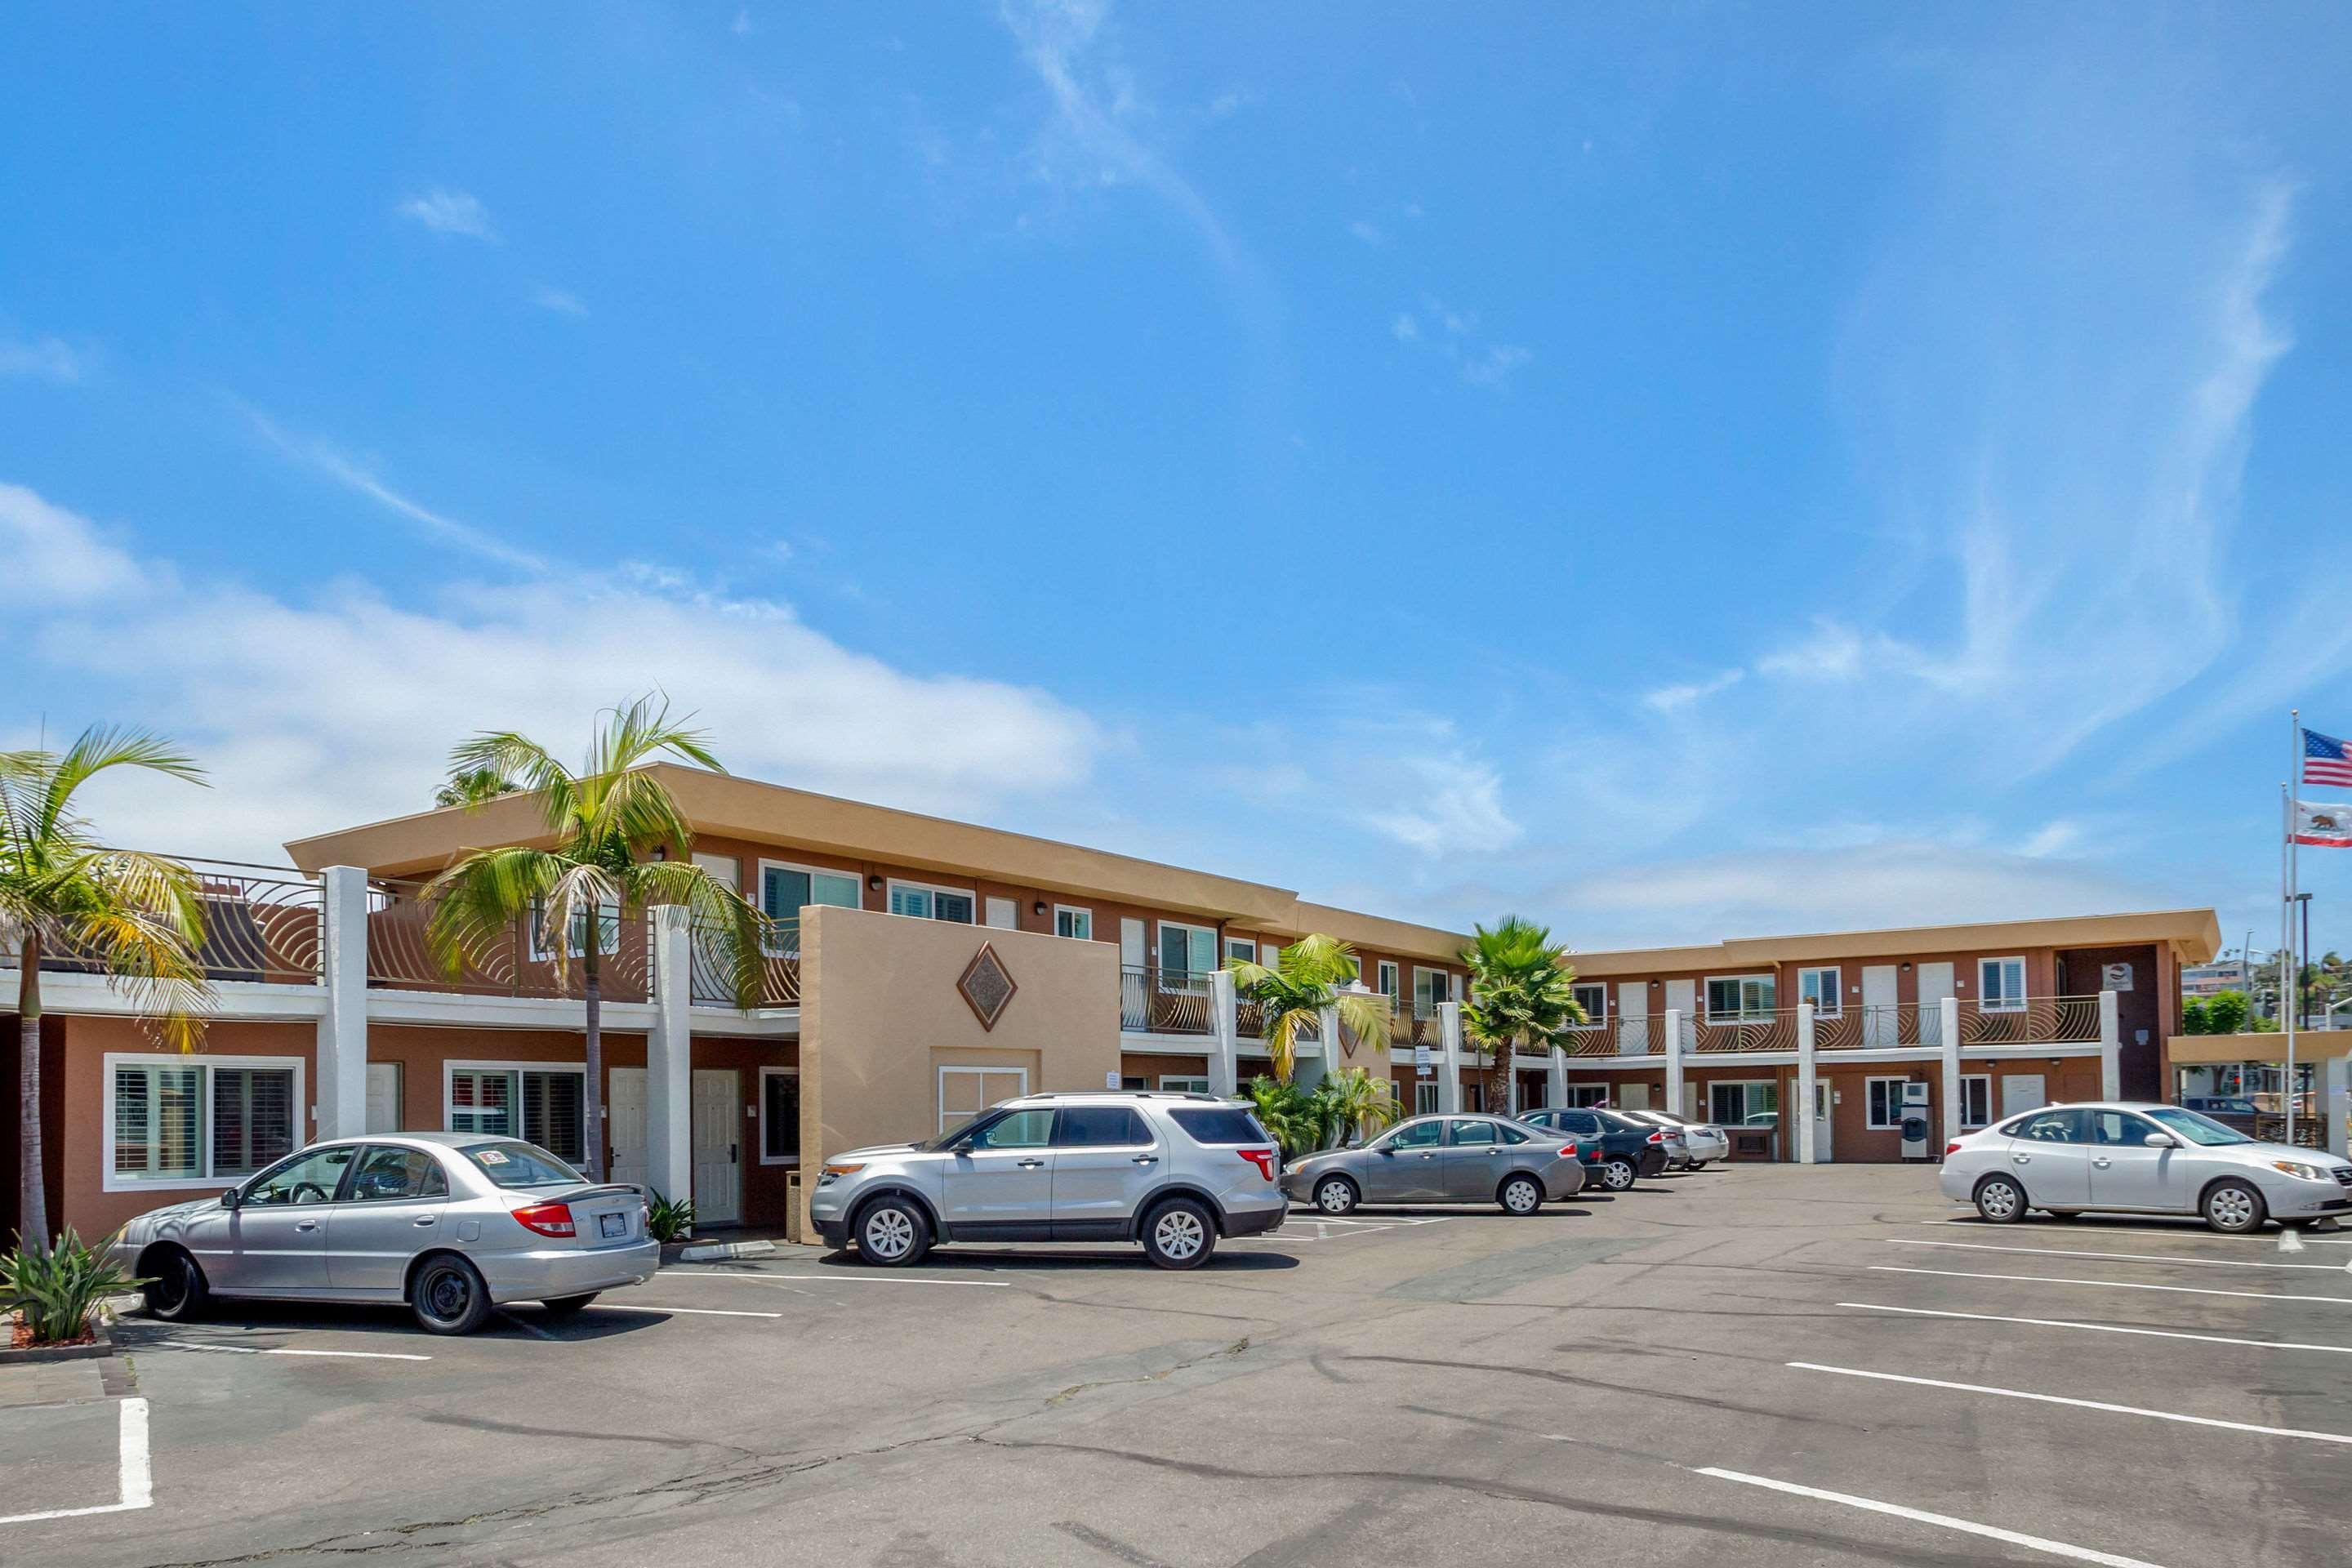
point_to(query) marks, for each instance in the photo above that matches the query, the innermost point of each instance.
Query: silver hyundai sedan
(453, 1224)
(1440, 1159)
(2141, 1158)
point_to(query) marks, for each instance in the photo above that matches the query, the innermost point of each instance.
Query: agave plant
(669, 1219)
(54, 1292)
(1294, 994)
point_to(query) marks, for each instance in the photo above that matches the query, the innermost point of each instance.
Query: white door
(718, 1145)
(2022, 1092)
(1002, 915)
(383, 1096)
(1632, 1022)
(1821, 1120)
(1879, 1029)
(1633, 1097)
(1134, 1005)
(1934, 985)
(1682, 997)
(722, 869)
(625, 1124)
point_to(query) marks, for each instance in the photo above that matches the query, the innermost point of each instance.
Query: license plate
(612, 1225)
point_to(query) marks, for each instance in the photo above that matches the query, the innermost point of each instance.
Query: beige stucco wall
(880, 1015)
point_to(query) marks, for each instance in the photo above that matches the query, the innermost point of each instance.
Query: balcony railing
(1156, 1001)
(1761, 1030)
(2030, 1021)
(260, 923)
(511, 963)
(1881, 1028)
(780, 956)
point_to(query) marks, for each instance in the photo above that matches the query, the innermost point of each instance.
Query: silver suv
(1172, 1170)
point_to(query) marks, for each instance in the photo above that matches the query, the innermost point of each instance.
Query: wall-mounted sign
(2115, 978)
(988, 987)
(1420, 1062)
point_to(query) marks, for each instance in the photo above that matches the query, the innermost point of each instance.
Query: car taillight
(1568, 1151)
(1262, 1158)
(1657, 1137)
(1951, 1148)
(548, 1219)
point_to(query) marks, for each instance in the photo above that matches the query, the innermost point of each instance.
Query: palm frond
(522, 762)
(723, 923)
(1367, 1018)
(148, 959)
(475, 903)
(97, 749)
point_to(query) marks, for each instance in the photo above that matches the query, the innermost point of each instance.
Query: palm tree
(1522, 992)
(137, 919)
(1293, 995)
(472, 789)
(605, 818)
(1356, 1103)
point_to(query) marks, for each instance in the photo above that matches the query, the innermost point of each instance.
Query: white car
(1692, 1145)
(2141, 1158)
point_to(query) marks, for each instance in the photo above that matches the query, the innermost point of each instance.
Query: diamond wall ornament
(987, 986)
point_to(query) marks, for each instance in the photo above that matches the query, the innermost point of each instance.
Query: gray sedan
(1443, 1159)
(2133, 1157)
(452, 1223)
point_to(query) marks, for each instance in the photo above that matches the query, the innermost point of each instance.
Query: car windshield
(2195, 1128)
(511, 1163)
(957, 1134)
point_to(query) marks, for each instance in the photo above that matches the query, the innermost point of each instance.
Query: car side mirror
(963, 1146)
(2160, 1141)
(229, 1199)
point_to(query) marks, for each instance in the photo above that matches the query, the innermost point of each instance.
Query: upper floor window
(1072, 922)
(1734, 997)
(1430, 986)
(1386, 970)
(608, 934)
(785, 890)
(928, 903)
(2001, 984)
(1186, 951)
(1594, 1000)
(1242, 948)
(1824, 988)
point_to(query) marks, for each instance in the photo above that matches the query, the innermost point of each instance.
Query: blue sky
(1675, 471)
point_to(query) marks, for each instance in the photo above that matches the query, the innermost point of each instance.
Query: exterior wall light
(873, 884)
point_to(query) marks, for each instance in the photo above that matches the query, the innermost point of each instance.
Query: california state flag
(2329, 827)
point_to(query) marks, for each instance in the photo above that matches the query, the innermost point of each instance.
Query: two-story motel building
(918, 969)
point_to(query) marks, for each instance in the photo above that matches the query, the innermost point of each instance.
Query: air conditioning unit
(1917, 1138)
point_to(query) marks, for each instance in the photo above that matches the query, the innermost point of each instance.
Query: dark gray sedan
(1443, 1159)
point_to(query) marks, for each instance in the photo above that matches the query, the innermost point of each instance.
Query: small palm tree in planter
(606, 820)
(1357, 1103)
(136, 919)
(1293, 994)
(1522, 992)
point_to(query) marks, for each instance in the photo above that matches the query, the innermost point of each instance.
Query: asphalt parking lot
(1753, 1364)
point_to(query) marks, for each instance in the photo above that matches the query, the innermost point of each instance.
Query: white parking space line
(2095, 1327)
(789, 1280)
(256, 1350)
(2111, 1285)
(2078, 1404)
(689, 1311)
(2122, 1256)
(137, 1481)
(1941, 1520)
(2194, 1229)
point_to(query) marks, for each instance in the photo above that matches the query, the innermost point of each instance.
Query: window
(1976, 1098)
(965, 1092)
(1473, 1097)
(1424, 1099)
(1415, 1135)
(305, 1179)
(1824, 988)
(1430, 986)
(1885, 1096)
(1178, 1083)
(1242, 948)
(1077, 923)
(1739, 997)
(1133, 1082)
(191, 1123)
(387, 1174)
(1017, 1130)
(1473, 1135)
(520, 1165)
(1100, 1127)
(780, 1116)
(1587, 1094)
(1594, 1000)
(1223, 1125)
(1386, 972)
(608, 934)
(1744, 1102)
(928, 903)
(546, 1106)
(1187, 954)
(2118, 1130)
(2001, 984)
(2052, 1126)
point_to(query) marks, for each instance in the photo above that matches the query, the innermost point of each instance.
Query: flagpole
(2290, 960)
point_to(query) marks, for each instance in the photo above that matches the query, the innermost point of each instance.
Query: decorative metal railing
(714, 967)
(2033, 1021)
(1881, 1028)
(1156, 1001)
(1774, 1030)
(1594, 1039)
(512, 963)
(260, 923)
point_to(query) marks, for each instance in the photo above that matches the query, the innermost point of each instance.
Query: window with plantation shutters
(252, 1118)
(552, 1106)
(193, 1123)
(543, 1106)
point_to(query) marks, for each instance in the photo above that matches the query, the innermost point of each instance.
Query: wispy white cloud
(450, 212)
(1368, 232)
(741, 27)
(563, 302)
(1450, 805)
(1456, 336)
(41, 359)
(357, 477)
(1672, 699)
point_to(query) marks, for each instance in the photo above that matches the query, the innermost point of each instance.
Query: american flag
(2326, 759)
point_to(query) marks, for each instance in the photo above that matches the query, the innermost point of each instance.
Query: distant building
(2211, 979)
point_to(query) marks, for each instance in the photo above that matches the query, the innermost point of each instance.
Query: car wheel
(1335, 1195)
(2234, 1207)
(1617, 1174)
(892, 1232)
(177, 1291)
(1179, 1234)
(448, 1296)
(567, 1306)
(1999, 1200)
(1520, 1195)
(1697, 1165)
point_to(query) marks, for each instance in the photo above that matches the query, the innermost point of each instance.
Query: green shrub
(55, 1293)
(669, 1221)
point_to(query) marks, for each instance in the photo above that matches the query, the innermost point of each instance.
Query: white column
(1556, 1085)
(1951, 1006)
(1224, 1038)
(1675, 1060)
(2111, 1046)
(2336, 1079)
(1449, 1064)
(343, 1028)
(669, 1057)
(1807, 1077)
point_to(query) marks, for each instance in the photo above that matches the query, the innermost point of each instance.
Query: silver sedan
(453, 1224)
(1441, 1160)
(2135, 1157)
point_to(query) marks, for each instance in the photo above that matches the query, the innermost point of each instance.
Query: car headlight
(836, 1171)
(2309, 1173)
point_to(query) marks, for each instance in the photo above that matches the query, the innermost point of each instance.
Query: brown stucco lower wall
(52, 1065)
(881, 1013)
(1152, 1065)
